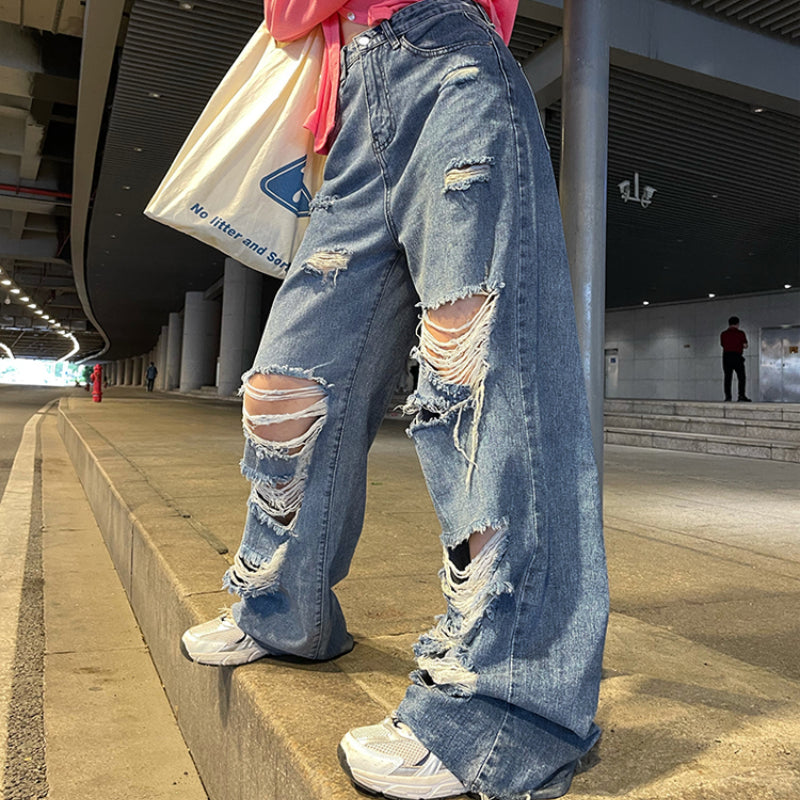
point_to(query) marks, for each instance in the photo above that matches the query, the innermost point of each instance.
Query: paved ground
(84, 715)
(701, 699)
(17, 405)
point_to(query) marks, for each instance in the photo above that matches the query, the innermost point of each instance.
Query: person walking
(150, 376)
(438, 214)
(734, 342)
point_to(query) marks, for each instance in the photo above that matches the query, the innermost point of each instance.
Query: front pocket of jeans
(444, 34)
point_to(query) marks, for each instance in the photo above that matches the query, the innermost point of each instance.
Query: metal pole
(584, 166)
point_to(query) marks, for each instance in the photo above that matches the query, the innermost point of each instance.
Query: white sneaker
(388, 759)
(220, 642)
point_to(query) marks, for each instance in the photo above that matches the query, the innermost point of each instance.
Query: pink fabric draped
(291, 19)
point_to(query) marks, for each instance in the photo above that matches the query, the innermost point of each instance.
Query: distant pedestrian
(733, 343)
(150, 376)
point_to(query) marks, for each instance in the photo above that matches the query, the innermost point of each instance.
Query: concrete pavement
(84, 715)
(701, 697)
(101, 689)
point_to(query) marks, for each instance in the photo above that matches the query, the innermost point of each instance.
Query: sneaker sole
(556, 786)
(386, 789)
(232, 658)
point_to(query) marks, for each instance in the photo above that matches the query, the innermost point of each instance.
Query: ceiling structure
(723, 218)
(777, 17)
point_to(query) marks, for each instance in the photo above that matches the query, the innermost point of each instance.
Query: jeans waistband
(406, 18)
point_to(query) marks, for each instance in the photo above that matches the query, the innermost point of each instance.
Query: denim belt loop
(386, 27)
(483, 13)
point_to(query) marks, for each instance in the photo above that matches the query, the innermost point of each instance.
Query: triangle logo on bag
(285, 186)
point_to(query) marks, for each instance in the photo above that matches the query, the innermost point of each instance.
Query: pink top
(291, 19)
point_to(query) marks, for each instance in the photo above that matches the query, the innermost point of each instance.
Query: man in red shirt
(733, 342)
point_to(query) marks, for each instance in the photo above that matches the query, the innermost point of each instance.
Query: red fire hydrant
(97, 383)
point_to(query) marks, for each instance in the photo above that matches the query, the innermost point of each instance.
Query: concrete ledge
(684, 718)
(703, 443)
(733, 428)
(745, 430)
(247, 741)
(765, 412)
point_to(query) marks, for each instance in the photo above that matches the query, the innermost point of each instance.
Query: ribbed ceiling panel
(724, 217)
(528, 36)
(775, 17)
(180, 56)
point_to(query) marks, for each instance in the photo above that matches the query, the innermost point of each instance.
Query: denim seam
(518, 241)
(419, 15)
(323, 582)
(441, 51)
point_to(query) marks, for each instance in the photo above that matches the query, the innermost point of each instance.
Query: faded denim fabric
(439, 186)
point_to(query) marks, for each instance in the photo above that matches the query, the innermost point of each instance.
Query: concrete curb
(247, 741)
(688, 712)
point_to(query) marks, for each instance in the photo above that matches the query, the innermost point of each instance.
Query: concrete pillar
(119, 373)
(200, 342)
(128, 371)
(172, 372)
(582, 185)
(240, 329)
(161, 361)
(136, 378)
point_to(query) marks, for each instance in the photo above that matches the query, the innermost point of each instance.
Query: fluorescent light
(645, 302)
(711, 294)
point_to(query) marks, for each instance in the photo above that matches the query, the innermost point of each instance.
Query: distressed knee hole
(282, 409)
(327, 263)
(282, 417)
(453, 342)
(453, 338)
(443, 656)
(248, 580)
(460, 174)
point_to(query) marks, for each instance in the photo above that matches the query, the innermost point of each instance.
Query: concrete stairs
(748, 430)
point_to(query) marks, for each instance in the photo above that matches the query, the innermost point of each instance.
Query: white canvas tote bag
(243, 179)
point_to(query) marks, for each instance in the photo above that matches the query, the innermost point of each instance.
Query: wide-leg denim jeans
(439, 186)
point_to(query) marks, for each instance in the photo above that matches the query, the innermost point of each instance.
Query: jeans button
(362, 41)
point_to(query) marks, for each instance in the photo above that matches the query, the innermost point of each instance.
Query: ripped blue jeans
(438, 187)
